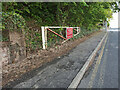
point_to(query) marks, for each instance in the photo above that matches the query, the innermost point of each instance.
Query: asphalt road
(60, 73)
(104, 71)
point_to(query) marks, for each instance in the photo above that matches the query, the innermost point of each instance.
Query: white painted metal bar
(44, 40)
(76, 34)
(58, 27)
(77, 31)
(43, 37)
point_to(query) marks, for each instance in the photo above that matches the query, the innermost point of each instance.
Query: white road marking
(114, 30)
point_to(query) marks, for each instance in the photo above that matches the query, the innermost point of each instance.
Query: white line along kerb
(80, 74)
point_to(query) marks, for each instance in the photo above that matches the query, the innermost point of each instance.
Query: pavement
(104, 71)
(61, 73)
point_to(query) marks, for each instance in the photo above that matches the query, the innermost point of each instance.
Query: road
(104, 71)
(60, 72)
(102, 74)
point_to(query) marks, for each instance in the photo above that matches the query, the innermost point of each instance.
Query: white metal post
(45, 30)
(44, 33)
(78, 31)
(43, 37)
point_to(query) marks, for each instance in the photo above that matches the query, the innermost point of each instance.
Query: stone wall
(15, 49)
(4, 52)
(17, 46)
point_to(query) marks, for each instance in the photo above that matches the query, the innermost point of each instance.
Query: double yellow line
(90, 84)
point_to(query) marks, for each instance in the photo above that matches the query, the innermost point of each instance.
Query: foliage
(33, 39)
(88, 15)
(12, 21)
(63, 13)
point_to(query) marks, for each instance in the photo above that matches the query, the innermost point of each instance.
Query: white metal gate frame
(44, 33)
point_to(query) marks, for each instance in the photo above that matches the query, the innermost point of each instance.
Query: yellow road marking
(96, 66)
(102, 71)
